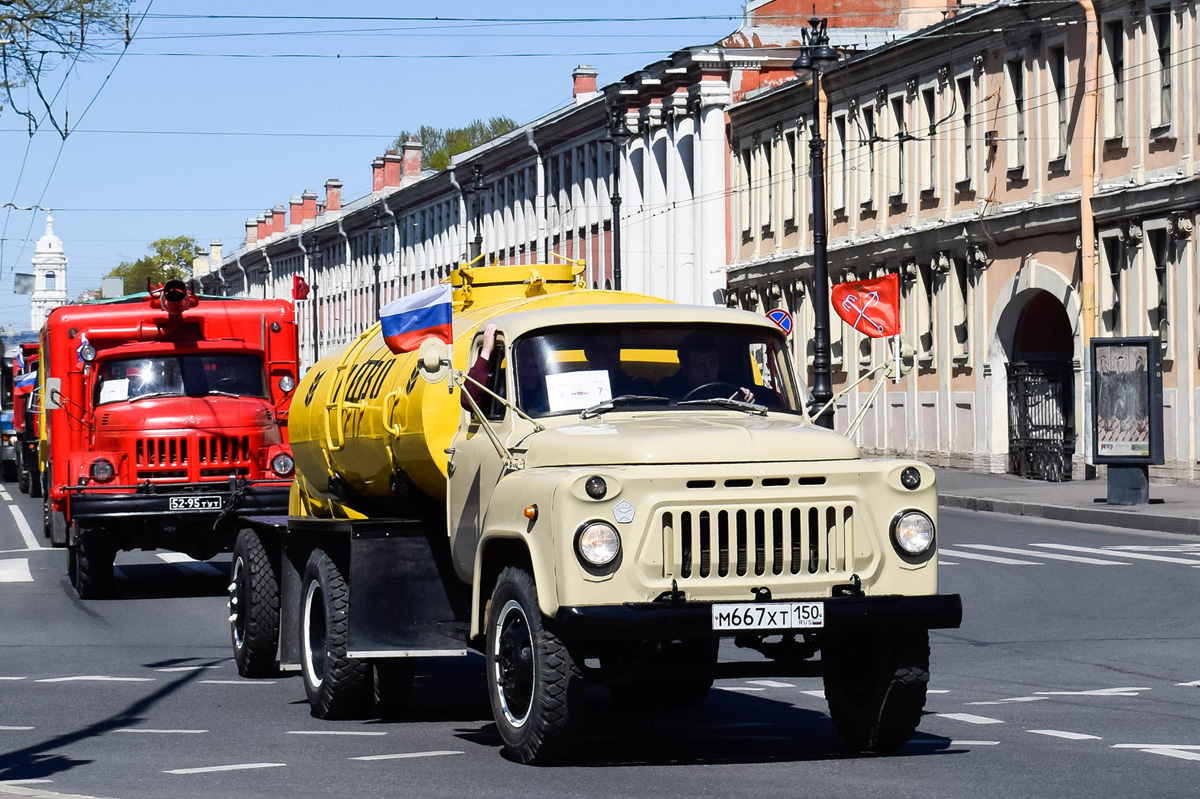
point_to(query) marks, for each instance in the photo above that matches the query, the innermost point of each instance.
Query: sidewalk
(1172, 508)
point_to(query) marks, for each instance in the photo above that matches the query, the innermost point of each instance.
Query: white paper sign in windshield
(574, 391)
(114, 390)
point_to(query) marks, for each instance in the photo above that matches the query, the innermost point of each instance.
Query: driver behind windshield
(603, 351)
(697, 378)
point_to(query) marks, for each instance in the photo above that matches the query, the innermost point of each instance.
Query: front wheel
(336, 685)
(875, 687)
(93, 563)
(254, 605)
(534, 685)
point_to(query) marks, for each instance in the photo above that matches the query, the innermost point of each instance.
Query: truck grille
(170, 458)
(161, 452)
(702, 544)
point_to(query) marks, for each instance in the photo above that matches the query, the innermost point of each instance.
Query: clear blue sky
(130, 175)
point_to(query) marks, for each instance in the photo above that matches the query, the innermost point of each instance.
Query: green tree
(169, 259)
(439, 145)
(43, 35)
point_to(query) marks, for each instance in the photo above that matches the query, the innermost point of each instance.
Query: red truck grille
(170, 458)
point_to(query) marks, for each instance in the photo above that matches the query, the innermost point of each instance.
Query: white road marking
(1192, 684)
(96, 678)
(4, 493)
(30, 781)
(1187, 549)
(770, 684)
(936, 691)
(234, 767)
(333, 732)
(190, 564)
(15, 729)
(1051, 556)
(15, 570)
(991, 558)
(1179, 753)
(974, 743)
(8, 679)
(237, 682)
(1115, 554)
(946, 562)
(739, 688)
(22, 525)
(161, 732)
(406, 755)
(1155, 746)
(187, 668)
(1070, 736)
(1095, 692)
(819, 693)
(1010, 700)
(968, 718)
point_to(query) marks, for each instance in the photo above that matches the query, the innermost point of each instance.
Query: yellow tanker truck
(628, 483)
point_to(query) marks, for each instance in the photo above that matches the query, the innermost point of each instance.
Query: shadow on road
(40, 760)
(164, 581)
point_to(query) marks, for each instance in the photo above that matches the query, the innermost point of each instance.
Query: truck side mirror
(433, 360)
(52, 394)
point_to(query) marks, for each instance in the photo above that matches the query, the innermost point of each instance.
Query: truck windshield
(180, 375)
(656, 365)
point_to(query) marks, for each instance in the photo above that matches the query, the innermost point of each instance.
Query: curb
(1066, 513)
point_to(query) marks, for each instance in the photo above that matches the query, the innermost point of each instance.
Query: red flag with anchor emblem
(299, 288)
(871, 307)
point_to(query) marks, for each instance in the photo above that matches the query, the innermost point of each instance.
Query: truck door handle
(449, 460)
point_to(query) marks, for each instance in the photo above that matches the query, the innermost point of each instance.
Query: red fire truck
(165, 416)
(25, 419)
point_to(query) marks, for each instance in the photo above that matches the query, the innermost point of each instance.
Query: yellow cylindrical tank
(363, 415)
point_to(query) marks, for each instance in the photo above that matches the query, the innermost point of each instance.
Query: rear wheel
(875, 687)
(35, 483)
(336, 685)
(22, 476)
(254, 605)
(93, 558)
(534, 684)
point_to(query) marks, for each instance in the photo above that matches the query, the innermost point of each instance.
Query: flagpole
(896, 355)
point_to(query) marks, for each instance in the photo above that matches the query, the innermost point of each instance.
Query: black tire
(338, 687)
(254, 605)
(875, 687)
(35, 483)
(94, 555)
(22, 476)
(392, 681)
(534, 684)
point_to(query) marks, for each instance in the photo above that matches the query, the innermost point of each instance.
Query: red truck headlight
(283, 465)
(102, 470)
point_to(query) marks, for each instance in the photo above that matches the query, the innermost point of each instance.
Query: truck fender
(507, 547)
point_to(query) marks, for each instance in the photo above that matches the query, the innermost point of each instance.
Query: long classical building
(1028, 168)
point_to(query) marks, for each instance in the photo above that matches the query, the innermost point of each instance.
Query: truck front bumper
(194, 502)
(682, 619)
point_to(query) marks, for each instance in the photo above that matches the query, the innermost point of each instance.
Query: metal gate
(1041, 413)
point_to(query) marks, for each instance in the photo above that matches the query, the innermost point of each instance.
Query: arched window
(49, 281)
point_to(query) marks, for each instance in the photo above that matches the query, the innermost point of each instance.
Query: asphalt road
(1076, 673)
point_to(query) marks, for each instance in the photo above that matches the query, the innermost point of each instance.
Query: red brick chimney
(296, 212)
(251, 231)
(310, 204)
(263, 230)
(280, 219)
(377, 174)
(584, 87)
(333, 195)
(391, 169)
(412, 160)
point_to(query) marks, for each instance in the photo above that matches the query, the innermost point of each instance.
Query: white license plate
(194, 503)
(768, 616)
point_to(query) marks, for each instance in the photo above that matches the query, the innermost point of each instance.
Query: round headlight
(287, 383)
(598, 543)
(595, 487)
(910, 478)
(102, 470)
(912, 531)
(87, 352)
(282, 464)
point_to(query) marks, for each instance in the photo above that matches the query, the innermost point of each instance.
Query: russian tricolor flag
(25, 383)
(409, 320)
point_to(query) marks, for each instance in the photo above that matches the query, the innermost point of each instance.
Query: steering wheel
(718, 388)
(230, 385)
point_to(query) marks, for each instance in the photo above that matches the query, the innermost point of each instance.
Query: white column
(683, 214)
(656, 190)
(711, 152)
(633, 235)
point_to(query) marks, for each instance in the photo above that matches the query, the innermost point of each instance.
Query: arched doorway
(1041, 407)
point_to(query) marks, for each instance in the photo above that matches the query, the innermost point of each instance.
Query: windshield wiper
(624, 399)
(154, 394)
(726, 402)
(222, 393)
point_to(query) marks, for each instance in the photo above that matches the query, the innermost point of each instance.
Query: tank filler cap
(433, 359)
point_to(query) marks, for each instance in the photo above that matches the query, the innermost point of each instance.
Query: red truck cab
(25, 419)
(166, 422)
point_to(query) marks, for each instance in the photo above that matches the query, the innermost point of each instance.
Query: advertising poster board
(1127, 402)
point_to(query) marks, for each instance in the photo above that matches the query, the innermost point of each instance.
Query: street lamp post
(618, 134)
(477, 188)
(314, 256)
(377, 241)
(816, 54)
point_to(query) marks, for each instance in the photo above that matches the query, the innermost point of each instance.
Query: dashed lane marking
(1070, 736)
(161, 732)
(1192, 684)
(190, 564)
(407, 755)
(1182, 754)
(739, 688)
(1156, 746)
(11, 679)
(1095, 692)
(991, 558)
(937, 690)
(969, 718)
(1048, 555)
(233, 767)
(237, 682)
(333, 732)
(818, 693)
(770, 684)
(96, 678)
(187, 668)
(22, 525)
(14, 729)
(946, 562)
(15, 570)
(1116, 554)
(4, 493)
(1010, 700)
(931, 741)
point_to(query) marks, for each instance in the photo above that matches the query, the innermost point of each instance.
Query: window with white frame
(960, 309)
(1161, 294)
(1015, 77)
(1111, 280)
(964, 167)
(1161, 101)
(928, 141)
(865, 158)
(1114, 80)
(924, 299)
(791, 205)
(1060, 111)
(745, 194)
(767, 207)
(896, 150)
(839, 188)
